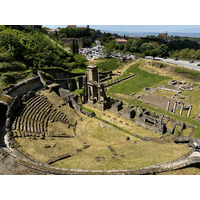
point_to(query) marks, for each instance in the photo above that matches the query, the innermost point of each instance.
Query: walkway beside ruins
(193, 158)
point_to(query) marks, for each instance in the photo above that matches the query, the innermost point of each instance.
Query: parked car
(191, 61)
(198, 64)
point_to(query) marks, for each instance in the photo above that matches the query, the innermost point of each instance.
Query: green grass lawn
(142, 80)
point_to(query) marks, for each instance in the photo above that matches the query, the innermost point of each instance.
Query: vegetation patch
(142, 80)
(108, 65)
(190, 74)
(48, 76)
(12, 66)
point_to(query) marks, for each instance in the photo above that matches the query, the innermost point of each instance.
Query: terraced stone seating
(34, 118)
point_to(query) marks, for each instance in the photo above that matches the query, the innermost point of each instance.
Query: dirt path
(10, 166)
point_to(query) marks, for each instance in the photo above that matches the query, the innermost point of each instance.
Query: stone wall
(57, 73)
(147, 120)
(68, 41)
(23, 87)
(66, 80)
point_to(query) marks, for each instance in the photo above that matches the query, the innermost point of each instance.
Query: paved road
(184, 63)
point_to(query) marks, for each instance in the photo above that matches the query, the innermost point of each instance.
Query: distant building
(115, 35)
(163, 35)
(71, 26)
(80, 27)
(136, 37)
(120, 41)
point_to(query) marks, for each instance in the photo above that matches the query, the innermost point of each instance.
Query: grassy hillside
(32, 48)
(23, 51)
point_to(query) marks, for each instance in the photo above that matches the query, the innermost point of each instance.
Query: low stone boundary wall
(118, 81)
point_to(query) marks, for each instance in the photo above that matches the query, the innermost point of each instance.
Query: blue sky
(141, 28)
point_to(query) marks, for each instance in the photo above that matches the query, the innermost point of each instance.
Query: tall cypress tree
(76, 47)
(73, 46)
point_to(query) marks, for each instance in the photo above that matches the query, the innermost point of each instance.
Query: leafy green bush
(13, 66)
(80, 60)
(5, 57)
(8, 78)
(162, 65)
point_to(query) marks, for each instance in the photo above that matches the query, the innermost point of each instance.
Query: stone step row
(35, 116)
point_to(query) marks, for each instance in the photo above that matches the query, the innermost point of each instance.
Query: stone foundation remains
(149, 121)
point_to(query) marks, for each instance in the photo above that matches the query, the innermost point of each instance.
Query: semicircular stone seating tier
(34, 117)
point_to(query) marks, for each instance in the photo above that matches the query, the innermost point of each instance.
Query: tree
(184, 53)
(10, 43)
(108, 49)
(154, 53)
(133, 49)
(74, 47)
(197, 54)
(121, 47)
(163, 50)
(146, 46)
(80, 60)
(191, 53)
(129, 44)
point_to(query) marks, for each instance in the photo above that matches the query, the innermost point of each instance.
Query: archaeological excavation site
(137, 119)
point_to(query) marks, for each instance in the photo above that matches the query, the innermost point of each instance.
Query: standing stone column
(174, 107)
(88, 93)
(92, 93)
(181, 109)
(77, 84)
(189, 111)
(99, 95)
(168, 103)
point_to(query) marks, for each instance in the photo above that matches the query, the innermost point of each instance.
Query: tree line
(74, 32)
(186, 48)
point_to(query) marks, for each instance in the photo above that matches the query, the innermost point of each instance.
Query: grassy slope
(137, 83)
